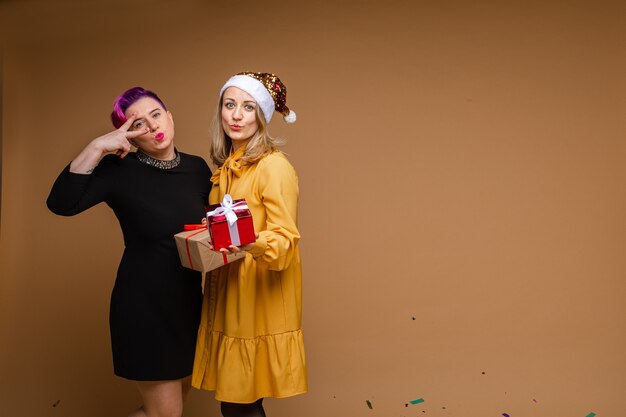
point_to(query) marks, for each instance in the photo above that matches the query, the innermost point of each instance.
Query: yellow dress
(250, 342)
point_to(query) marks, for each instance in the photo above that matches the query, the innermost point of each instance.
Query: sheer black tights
(254, 409)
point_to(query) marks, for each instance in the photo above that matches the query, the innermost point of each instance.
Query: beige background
(462, 195)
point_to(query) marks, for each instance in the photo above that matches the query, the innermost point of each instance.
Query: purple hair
(126, 99)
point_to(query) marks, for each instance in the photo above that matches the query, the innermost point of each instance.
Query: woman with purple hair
(154, 192)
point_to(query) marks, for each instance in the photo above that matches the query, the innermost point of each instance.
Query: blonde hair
(260, 145)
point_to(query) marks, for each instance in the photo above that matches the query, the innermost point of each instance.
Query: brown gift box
(194, 252)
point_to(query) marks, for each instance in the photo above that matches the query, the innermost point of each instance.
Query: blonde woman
(250, 343)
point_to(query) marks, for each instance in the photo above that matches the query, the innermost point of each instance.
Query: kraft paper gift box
(230, 223)
(194, 251)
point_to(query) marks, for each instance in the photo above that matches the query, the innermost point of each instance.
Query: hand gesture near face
(118, 141)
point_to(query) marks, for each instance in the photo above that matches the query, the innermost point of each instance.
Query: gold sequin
(274, 86)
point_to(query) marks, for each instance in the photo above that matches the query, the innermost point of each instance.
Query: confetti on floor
(419, 400)
(505, 415)
(591, 415)
(369, 404)
(56, 403)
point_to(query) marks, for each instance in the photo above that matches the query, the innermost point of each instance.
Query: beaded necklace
(157, 163)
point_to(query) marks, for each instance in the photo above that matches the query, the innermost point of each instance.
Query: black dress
(156, 303)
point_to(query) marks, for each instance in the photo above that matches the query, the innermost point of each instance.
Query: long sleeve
(74, 193)
(277, 185)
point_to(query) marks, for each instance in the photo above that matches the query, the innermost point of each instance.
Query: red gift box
(230, 223)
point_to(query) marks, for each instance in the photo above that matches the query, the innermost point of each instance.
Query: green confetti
(419, 400)
(369, 404)
(591, 415)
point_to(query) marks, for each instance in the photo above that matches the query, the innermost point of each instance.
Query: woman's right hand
(118, 141)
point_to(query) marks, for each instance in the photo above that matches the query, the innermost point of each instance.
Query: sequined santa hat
(266, 89)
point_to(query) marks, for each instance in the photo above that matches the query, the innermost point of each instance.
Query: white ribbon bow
(228, 209)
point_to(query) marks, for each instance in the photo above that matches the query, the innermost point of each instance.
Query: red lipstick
(159, 136)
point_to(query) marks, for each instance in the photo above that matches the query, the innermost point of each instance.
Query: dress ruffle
(266, 366)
